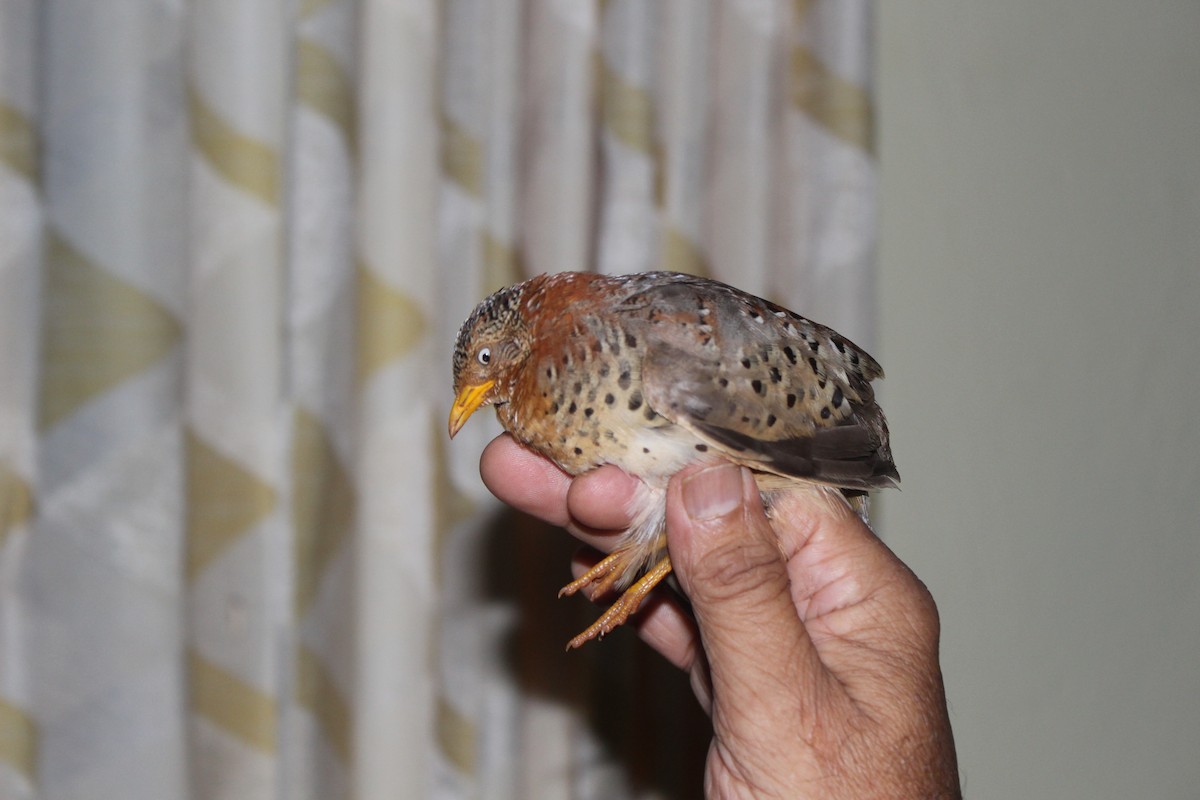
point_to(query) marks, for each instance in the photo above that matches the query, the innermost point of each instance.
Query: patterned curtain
(238, 556)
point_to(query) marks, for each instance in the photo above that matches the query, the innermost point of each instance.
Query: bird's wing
(765, 387)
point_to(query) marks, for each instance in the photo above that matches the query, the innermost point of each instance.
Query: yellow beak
(468, 400)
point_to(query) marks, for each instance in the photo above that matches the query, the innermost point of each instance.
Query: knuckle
(736, 569)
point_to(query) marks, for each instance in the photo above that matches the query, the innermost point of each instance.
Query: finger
(730, 565)
(525, 480)
(667, 626)
(592, 507)
(600, 499)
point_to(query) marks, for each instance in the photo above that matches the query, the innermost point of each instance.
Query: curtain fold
(239, 557)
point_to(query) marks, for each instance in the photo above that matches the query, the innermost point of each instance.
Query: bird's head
(492, 347)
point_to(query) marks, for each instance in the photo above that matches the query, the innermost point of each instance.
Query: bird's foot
(628, 602)
(601, 578)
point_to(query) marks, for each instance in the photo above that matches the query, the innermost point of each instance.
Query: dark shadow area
(640, 706)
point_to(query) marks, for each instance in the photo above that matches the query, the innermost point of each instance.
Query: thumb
(730, 565)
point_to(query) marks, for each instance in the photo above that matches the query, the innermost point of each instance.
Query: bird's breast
(584, 405)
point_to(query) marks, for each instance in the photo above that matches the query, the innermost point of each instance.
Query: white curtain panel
(239, 557)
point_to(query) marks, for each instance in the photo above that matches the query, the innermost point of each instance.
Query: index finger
(525, 480)
(586, 505)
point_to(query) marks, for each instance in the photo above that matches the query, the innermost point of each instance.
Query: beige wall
(1040, 303)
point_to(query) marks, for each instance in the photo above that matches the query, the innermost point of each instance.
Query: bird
(655, 371)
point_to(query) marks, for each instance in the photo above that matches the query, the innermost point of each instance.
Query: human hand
(813, 648)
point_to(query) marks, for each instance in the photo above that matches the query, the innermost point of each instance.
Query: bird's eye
(484, 355)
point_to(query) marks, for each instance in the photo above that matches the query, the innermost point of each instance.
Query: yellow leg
(609, 568)
(626, 605)
(606, 574)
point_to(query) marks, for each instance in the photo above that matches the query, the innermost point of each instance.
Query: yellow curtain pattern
(238, 556)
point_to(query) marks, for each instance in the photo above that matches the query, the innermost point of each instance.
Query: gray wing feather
(765, 387)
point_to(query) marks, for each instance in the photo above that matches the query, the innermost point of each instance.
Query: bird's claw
(626, 604)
